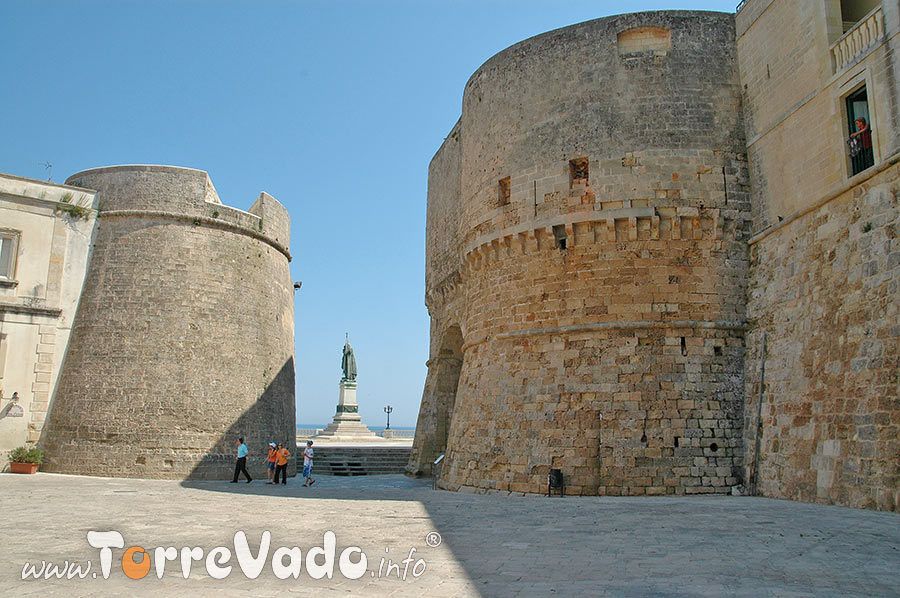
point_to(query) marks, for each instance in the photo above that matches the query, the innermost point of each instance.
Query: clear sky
(335, 108)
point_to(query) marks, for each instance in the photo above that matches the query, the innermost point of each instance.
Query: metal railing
(310, 432)
(436, 469)
(862, 155)
(398, 433)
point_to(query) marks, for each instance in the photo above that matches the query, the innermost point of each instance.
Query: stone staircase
(353, 461)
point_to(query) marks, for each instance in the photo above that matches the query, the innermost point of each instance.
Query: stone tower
(183, 339)
(586, 264)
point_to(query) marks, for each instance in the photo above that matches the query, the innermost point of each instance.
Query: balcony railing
(853, 44)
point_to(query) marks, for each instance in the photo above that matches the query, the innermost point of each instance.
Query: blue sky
(335, 108)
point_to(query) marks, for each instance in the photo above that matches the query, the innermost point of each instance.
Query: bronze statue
(348, 362)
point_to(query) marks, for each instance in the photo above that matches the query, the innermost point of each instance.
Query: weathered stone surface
(183, 339)
(826, 290)
(598, 314)
(602, 305)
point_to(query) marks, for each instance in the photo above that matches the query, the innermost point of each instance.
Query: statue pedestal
(347, 424)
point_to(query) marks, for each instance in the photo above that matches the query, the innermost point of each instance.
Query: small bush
(26, 454)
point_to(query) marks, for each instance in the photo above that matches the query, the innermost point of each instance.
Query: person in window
(861, 146)
(863, 133)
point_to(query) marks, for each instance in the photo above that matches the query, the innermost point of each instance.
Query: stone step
(354, 461)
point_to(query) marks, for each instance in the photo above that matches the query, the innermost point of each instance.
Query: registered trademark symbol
(433, 539)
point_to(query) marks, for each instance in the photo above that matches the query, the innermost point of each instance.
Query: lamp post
(388, 410)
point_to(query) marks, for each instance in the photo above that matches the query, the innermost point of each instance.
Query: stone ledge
(852, 182)
(29, 309)
(204, 220)
(633, 325)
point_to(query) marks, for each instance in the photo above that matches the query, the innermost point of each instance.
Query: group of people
(276, 463)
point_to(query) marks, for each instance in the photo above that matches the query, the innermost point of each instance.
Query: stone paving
(490, 545)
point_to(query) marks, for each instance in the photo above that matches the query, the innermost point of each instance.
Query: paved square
(490, 545)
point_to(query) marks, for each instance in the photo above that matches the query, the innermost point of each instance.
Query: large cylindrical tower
(183, 339)
(600, 262)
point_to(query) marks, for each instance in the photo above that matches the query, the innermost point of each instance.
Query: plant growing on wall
(74, 211)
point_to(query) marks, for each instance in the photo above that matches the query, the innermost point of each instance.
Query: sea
(373, 428)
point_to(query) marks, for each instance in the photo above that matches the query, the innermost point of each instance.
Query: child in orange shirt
(270, 462)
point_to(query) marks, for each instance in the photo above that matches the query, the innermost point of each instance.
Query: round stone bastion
(184, 337)
(586, 265)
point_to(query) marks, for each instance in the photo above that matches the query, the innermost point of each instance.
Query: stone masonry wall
(602, 262)
(442, 297)
(183, 339)
(616, 360)
(826, 290)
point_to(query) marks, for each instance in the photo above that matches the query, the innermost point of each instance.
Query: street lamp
(388, 410)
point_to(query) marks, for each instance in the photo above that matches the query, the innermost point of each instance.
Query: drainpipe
(754, 475)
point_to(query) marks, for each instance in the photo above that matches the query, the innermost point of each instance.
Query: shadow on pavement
(615, 546)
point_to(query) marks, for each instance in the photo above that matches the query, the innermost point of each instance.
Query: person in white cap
(270, 462)
(308, 463)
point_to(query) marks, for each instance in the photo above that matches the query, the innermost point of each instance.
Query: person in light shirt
(308, 463)
(270, 462)
(240, 464)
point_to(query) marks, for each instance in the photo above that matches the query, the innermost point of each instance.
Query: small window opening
(717, 351)
(683, 346)
(560, 236)
(8, 243)
(859, 124)
(578, 172)
(676, 441)
(503, 188)
(714, 447)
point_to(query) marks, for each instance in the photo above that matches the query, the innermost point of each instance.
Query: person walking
(240, 465)
(270, 462)
(308, 463)
(281, 455)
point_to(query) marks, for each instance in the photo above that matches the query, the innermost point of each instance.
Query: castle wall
(443, 299)
(442, 234)
(601, 311)
(825, 289)
(184, 336)
(823, 277)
